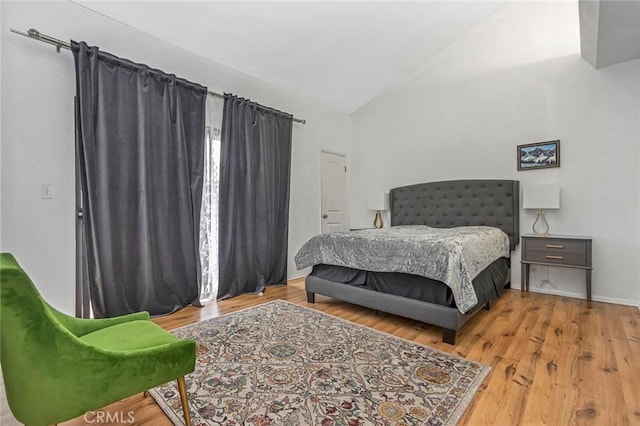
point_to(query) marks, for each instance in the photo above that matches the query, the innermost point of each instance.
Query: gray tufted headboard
(454, 203)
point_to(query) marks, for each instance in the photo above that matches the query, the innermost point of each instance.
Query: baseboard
(616, 301)
(595, 298)
(299, 274)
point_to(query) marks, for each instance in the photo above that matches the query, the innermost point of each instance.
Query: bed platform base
(450, 319)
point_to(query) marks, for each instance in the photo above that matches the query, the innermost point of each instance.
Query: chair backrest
(28, 336)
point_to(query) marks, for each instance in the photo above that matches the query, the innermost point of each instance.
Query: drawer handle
(554, 257)
(558, 246)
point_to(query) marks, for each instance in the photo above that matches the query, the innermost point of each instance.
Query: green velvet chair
(58, 367)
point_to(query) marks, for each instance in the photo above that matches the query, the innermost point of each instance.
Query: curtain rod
(59, 44)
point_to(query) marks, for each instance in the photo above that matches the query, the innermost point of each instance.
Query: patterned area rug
(284, 364)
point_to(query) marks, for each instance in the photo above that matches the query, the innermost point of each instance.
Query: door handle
(324, 216)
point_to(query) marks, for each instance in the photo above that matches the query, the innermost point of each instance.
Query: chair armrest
(81, 326)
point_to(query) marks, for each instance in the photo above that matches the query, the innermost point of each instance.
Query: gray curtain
(140, 156)
(255, 170)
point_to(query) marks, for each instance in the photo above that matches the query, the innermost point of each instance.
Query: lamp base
(377, 221)
(544, 232)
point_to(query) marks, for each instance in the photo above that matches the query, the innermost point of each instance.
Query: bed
(446, 204)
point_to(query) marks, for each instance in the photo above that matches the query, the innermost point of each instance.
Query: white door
(333, 191)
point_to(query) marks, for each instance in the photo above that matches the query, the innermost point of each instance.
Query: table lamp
(378, 204)
(541, 196)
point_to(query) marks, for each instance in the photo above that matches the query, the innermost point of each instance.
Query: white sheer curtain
(210, 199)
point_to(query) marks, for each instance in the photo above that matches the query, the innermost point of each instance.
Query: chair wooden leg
(182, 387)
(145, 394)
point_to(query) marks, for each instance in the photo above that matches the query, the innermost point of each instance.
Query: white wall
(38, 138)
(518, 78)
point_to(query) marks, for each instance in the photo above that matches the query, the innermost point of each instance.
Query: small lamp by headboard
(540, 196)
(378, 204)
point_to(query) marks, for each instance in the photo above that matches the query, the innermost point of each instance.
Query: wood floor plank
(554, 361)
(552, 393)
(524, 353)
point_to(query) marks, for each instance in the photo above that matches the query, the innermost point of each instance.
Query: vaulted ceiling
(342, 54)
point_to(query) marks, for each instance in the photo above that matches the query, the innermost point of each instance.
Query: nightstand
(568, 251)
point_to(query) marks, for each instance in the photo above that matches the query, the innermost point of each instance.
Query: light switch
(46, 191)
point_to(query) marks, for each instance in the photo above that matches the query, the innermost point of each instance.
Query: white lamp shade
(541, 196)
(380, 202)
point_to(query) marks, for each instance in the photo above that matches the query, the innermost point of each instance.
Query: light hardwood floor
(554, 361)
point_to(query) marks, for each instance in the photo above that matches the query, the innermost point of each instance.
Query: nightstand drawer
(552, 244)
(558, 257)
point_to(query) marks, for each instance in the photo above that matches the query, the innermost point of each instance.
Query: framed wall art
(539, 155)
